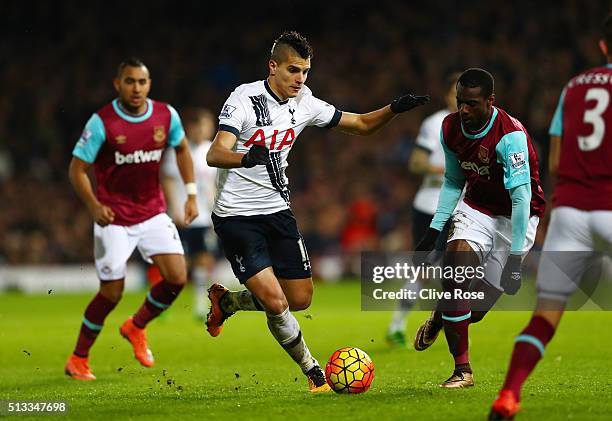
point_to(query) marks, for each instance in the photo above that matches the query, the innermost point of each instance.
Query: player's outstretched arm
(221, 154)
(77, 172)
(184, 163)
(368, 123)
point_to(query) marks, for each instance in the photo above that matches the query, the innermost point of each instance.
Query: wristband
(191, 189)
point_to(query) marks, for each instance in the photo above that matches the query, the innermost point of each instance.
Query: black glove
(511, 276)
(257, 155)
(426, 245)
(408, 102)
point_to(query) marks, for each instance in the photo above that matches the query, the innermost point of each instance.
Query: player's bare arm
(221, 154)
(554, 155)
(169, 185)
(185, 166)
(419, 163)
(103, 215)
(368, 123)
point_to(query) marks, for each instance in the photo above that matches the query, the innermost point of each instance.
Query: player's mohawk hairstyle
(478, 78)
(292, 39)
(129, 62)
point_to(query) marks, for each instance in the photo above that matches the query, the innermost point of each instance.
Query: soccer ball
(349, 370)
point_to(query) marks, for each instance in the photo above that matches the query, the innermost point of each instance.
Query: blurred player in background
(494, 225)
(259, 124)
(124, 142)
(199, 240)
(427, 159)
(581, 220)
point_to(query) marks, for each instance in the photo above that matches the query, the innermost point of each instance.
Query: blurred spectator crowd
(348, 193)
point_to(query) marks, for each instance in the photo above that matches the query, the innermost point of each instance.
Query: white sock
(286, 331)
(398, 321)
(200, 276)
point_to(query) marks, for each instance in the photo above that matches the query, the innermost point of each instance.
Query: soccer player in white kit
(258, 126)
(427, 159)
(199, 240)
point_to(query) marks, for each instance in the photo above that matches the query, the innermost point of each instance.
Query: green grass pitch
(244, 374)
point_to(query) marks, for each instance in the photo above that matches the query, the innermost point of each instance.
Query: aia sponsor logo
(259, 138)
(138, 157)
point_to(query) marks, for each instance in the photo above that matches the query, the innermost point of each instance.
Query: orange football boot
(78, 368)
(505, 406)
(216, 316)
(138, 338)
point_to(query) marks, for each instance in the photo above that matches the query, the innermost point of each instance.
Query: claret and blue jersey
(498, 158)
(580, 121)
(498, 167)
(126, 152)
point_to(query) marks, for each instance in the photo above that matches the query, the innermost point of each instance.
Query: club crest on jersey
(292, 116)
(227, 111)
(483, 154)
(517, 159)
(121, 139)
(159, 133)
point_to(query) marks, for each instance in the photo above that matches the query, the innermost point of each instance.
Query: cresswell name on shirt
(138, 157)
(597, 78)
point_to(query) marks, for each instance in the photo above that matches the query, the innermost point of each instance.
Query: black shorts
(199, 240)
(253, 243)
(420, 223)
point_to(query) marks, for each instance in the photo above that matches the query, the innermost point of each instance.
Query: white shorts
(572, 243)
(490, 237)
(114, 244)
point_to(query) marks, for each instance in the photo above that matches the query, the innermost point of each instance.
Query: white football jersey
(205, 177)
(426, 199)
(257, 116)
